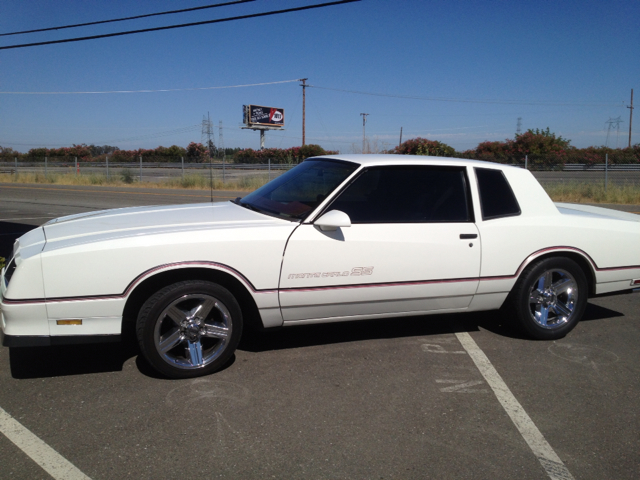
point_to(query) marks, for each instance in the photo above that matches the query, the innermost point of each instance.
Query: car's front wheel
(189, 329)
(550, 297)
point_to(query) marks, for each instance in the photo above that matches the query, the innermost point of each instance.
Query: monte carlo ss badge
(354, 272)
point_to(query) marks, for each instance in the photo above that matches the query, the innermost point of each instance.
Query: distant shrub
(196, 152)
(280, 155)
(423, 146)
(127, 175)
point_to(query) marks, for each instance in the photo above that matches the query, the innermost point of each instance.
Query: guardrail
(148, 165)
(155, 171)
(600, 167)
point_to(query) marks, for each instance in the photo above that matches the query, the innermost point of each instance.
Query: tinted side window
(407, 194)
(496, 197)
(296, 193)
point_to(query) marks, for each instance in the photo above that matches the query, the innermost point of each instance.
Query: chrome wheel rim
(192, 331)
(553, 298)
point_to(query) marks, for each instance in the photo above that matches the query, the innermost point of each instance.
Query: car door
(412, 248)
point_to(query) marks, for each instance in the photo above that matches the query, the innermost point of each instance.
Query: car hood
(136, 221)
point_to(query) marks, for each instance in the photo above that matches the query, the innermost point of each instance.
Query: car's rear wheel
(550, 297)
(189, 329)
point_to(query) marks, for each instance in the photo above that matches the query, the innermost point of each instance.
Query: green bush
(97, 179)
(127, 175)
(194, 181)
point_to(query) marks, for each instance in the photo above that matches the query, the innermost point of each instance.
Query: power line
(166, 133)
(149, 91)
(170, 12)
(463, 100)
(206, 22)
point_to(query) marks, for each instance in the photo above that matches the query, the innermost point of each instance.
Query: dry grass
(580, 192)
(125, 179)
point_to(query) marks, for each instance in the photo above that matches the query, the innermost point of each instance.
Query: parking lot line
(537, 443)
(51, 461)
(24, 218)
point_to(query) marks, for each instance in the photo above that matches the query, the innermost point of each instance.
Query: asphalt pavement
(384, 399)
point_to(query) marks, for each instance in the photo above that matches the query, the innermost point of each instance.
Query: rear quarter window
(496, 196)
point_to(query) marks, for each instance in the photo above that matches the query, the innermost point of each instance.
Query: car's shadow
(39, 362)
(329, 333)
(57, 361)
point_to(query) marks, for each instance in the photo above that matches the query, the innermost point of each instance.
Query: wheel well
(140, 294)
(582, 262)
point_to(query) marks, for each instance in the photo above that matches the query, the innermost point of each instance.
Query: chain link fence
(153, 170)
(145, 169)
(572, 173)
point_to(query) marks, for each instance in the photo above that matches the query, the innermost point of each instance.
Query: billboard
(268, 116)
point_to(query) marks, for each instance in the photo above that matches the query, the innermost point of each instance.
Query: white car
(336, 238)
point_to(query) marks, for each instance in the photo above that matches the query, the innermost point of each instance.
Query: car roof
(390, 159)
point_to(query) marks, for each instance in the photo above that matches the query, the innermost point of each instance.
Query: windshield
(295, 194)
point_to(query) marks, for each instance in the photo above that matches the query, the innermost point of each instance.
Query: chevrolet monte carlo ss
(336, 238)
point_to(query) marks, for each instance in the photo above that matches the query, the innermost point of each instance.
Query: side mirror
(330, 221)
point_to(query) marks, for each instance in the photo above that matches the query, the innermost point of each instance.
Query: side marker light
(68, 322)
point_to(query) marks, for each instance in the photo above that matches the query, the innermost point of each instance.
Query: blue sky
(472, 67)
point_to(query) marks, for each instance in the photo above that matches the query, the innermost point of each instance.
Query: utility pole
(304, 88)
(207, 132)
(400, 142)
(364, 121)
(630, 117)
(221, 141)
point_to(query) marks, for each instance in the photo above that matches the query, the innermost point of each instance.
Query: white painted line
(51, 461)
(536, 441)
(461, 386)
(25, 218)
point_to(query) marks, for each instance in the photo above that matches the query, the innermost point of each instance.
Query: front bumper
(47, 341)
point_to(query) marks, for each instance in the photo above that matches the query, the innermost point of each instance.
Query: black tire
(189, 329)
(550, 297)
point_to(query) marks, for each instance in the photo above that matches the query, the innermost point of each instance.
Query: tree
(8, 152)
(174, 152)
(197, 152)
(490, 151)
(542, 147)
(540, 142)
(423, 146)
(280, 155)
(97, 150)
